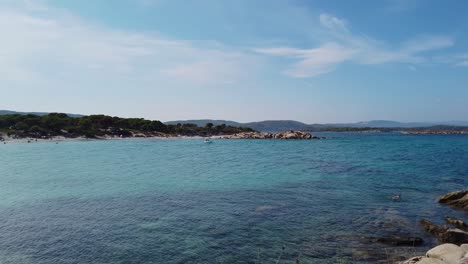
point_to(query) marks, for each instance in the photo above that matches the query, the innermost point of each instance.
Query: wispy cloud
(40, 42)
(457, 60)
(342, 45)
(333, 23)
(312, 62)
(461, 60)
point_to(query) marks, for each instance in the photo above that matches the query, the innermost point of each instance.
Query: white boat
(207, 140)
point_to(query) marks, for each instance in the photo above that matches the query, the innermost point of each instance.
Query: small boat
(396, 198)
(207, 140)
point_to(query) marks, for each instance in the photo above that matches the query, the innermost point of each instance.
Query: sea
(229, 201)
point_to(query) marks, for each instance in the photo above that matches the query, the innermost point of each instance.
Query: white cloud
(41, 43)
(428, 43)
(341, 45)
(333, 23)
(462, 60)
(457, 60)
(312, 62)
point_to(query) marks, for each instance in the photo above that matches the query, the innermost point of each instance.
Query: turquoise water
(232, 201)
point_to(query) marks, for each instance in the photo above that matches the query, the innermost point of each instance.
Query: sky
(245, 60)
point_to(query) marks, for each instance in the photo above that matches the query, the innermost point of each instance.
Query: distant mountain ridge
(282, 125)
(203, 122)
(267, 125)
(387, 123)
(8, 112)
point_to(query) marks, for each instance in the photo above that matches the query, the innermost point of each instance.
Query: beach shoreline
(7, 139)
(286, 135)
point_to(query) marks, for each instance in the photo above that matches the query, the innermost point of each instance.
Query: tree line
(93, 126)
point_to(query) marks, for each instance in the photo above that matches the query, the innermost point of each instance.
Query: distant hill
(203, 122)
(100, 126)
(277, 125)
(269, 125)
(8, 112)
(282, 125)
(389, 124)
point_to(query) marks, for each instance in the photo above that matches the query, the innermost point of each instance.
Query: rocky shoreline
(453, 236)
(299, 135)
(266, 135)
(442, 254)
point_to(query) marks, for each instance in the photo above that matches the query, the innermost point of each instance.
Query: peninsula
(102, 127)
(59, 125)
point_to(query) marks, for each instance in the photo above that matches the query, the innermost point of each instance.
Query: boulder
(432, 228)
(293, 135)
(457, 223)
(464, 247)
(457, 199)
(445, 234)
(455, 236)
(448, 253)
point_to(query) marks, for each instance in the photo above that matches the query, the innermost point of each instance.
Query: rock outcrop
(457, 199)
(265, 135)
(446, 234)
(457, 223)
(454, 235)
(442, 254)
(432, 228)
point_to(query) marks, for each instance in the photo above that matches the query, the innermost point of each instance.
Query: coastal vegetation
(96, 126)
(43, 125)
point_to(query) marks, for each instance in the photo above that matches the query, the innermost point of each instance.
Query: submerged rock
(432, 228)
(455, 236)
(445, 234)
(401, 240)
(457, 223)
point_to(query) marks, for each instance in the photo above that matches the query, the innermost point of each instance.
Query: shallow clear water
(232, 201)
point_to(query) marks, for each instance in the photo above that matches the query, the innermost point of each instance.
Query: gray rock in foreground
(442, 254)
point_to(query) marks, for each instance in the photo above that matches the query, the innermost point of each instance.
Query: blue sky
(244, 60)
